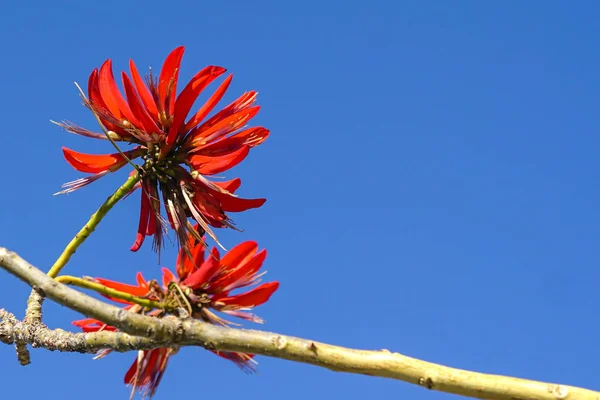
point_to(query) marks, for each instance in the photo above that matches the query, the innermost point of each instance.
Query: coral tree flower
(177, 150)
(203, 284)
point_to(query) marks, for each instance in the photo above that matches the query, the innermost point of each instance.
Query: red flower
(202, 285)
(177, 151)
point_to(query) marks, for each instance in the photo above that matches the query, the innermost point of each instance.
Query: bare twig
(171, 331)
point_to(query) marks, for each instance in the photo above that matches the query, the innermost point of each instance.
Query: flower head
(177, 151)
(203, 284)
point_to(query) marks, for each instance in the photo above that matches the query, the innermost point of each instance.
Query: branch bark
(151, 332)
(12, 331)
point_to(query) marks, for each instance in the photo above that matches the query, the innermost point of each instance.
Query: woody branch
(143, 332)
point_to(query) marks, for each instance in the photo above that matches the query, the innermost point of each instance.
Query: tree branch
(12, 330)
(171, 331)
(33, 313)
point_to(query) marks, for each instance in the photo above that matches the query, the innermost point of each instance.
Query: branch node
(427, 382)
(280, 342)
(209, 346)
(559, 391)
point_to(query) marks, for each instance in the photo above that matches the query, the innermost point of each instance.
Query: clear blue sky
(431, 180)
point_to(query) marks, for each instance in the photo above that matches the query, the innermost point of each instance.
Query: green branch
(33, 314)
(116, 294)
(91, 225)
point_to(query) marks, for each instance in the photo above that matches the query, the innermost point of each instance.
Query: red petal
(185, 266)
(168, 277)
(112, 96)
(88, 329)
(138, 108)
(203, 274)
(145, 216)
(87, 321)
(96, 100)
(132, 372)
(231, 186)
(209, 105)
(242, 274)
(242, 360)
(215, 165)
(140, 280)
(250, 137)
(208, 205)
(255, 297)
(223, 127)
(168, 72)
(241, 103)
(151, 227)
(188, 96)
(123, 287)
(93, 91)
(237, 204)
(146, 372)
(96, 163)
(142, 90)
(240, 254)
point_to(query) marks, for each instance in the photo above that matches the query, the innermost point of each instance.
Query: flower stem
(89, 227)
(87, 284)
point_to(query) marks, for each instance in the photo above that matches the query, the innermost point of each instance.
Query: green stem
(86, 284)
(89, 227)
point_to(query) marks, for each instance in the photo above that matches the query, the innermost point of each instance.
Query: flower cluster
(173, 153)
(203, 285)
(177, 151)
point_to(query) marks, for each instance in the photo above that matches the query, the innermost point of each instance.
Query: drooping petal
(198, 208)
(95, 163)
(147, 370)
(230, 186)
(255, 297)
(145, 216)
(238, 204)
(244, 361)
(156, 224)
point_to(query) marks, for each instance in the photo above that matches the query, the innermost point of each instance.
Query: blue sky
(431, 180)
